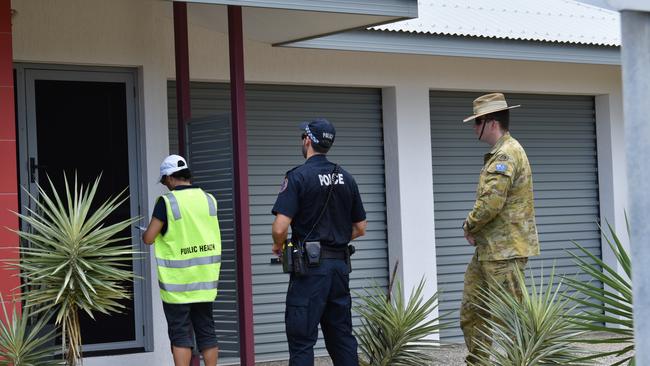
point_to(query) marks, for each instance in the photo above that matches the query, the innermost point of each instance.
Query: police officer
(501, 224)
(322, 295)
(185, 230)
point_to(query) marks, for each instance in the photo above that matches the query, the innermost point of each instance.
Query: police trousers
(478, 276)
(321, 296)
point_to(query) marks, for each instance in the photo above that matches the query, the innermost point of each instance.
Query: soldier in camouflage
(501, 224)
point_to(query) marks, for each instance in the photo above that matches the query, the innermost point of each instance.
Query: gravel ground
(454, 355)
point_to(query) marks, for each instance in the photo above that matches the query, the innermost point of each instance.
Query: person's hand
(470, 239)
(277, 249)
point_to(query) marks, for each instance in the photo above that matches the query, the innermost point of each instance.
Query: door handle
(32, 170)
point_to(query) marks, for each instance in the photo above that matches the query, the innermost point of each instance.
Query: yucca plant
(25, 344)
(534, 331)
(71, 262)
(393, 332)
(608, 308)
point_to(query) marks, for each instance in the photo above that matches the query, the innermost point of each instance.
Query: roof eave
(266, 20)
(462, 46)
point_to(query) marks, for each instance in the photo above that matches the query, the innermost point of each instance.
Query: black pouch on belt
(348, 253)
(299, 265)
(287, 257)
(312, 248)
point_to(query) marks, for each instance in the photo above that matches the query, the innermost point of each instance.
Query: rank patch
(284, 185)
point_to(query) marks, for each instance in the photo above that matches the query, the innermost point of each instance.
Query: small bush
(611, 312)
(393, 332)
(534, 331)
(25, 344)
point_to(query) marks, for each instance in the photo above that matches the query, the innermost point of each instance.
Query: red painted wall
(8, 176)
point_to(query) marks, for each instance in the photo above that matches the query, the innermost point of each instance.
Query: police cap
(320, 131)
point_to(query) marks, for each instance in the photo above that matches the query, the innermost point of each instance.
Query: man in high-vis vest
(185, 230)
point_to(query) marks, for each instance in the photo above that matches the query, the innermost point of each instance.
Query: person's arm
(284, 209)
(359, 229)
(491, 197)
(157, 224)
(359, 222)
(280, 231)
(154, 228)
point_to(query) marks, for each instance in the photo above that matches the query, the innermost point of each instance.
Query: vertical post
(409, 188)
(240, 153)
(183, 107)
(8, 159)
(181, 52)
(635, 57)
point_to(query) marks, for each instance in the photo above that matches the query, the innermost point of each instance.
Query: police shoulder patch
(284, 185)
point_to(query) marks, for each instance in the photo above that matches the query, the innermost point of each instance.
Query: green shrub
(393, 332)
(608, 309)
(25, 344)
(72, 261)
(534, 331)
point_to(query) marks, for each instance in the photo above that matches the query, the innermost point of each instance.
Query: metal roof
(564, 21)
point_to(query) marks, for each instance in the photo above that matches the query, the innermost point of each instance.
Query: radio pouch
(298, 258)
(287, 257)
(313, 253)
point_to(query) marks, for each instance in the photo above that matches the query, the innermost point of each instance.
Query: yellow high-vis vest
(189, 254)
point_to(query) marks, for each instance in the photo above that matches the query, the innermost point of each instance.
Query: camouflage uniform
(503, 224)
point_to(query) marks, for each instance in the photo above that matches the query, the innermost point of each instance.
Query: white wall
(409, 187)
(139, 33)
(612, 176)
(110, 33)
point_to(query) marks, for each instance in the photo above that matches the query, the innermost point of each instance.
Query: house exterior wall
(139, 34)
(8, 186)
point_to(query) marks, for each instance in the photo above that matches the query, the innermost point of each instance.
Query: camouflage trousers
(479, 275)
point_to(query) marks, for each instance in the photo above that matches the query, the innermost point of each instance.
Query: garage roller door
(559, 135)
(274, 112)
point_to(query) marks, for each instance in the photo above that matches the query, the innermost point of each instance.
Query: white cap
(171, 165)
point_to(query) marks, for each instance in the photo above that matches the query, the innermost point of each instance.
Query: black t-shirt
(160, 210)
(303, 194)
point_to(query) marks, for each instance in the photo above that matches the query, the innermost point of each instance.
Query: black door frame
(26, 73)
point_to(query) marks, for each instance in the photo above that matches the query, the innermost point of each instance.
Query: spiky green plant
(25, 344)
(393, 332)
(534, 331)
(72, 261)
(608, 308)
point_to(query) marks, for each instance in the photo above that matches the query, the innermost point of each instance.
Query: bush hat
(489, 103)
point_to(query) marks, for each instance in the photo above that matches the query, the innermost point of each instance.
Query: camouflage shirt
(503, 218)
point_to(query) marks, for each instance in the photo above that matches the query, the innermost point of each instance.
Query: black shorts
(181, 318)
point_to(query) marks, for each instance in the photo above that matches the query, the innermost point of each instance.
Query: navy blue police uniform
(322, 295)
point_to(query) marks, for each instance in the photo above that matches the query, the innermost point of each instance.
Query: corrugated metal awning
(564, 21)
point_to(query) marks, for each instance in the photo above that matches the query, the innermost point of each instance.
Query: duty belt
(328, 252)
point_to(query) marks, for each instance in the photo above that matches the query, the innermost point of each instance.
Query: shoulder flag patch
(501, 167)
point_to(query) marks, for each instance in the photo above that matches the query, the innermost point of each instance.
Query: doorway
(82, 123)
